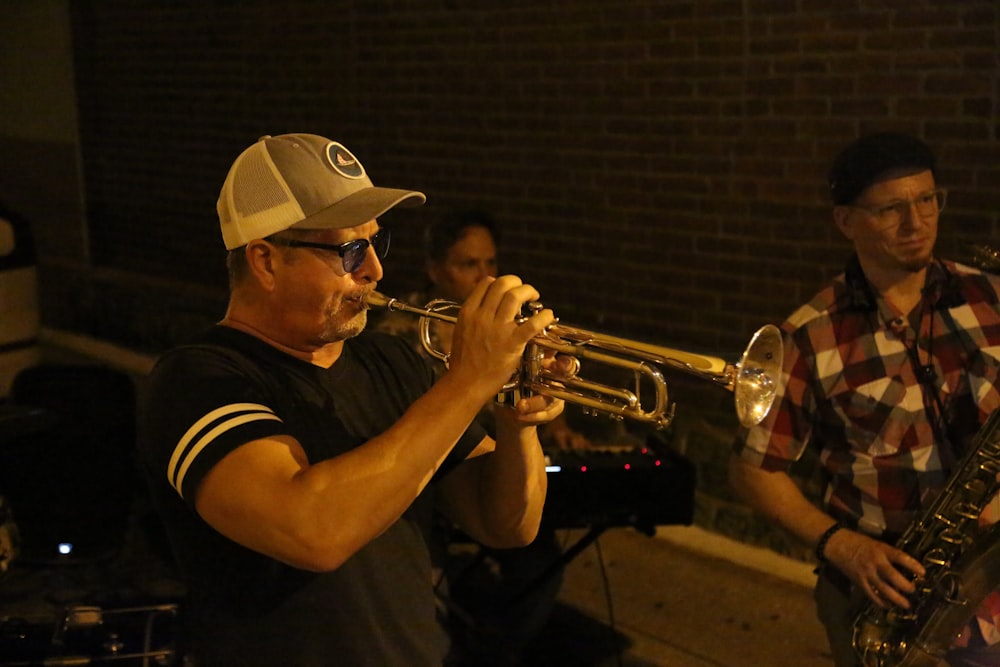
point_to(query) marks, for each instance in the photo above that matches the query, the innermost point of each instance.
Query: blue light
(65, 548)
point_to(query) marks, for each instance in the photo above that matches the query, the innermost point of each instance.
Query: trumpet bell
(755, 385)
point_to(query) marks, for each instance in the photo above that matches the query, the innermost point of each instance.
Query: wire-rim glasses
(927, 204)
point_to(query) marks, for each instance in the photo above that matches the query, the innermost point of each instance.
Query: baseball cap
(874, 158)
(303, 181)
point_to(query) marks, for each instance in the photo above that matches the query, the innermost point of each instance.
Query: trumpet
(753, 380)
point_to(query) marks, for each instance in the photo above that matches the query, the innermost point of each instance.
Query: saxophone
(962, 564)
(984, 257)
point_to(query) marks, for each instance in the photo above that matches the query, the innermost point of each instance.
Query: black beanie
(866, 160)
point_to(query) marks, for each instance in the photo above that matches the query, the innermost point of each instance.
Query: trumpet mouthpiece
(377, 300)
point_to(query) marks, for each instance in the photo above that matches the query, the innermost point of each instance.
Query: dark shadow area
(85, 574)
(573, 639)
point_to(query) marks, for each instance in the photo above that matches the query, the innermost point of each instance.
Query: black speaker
(71, 482)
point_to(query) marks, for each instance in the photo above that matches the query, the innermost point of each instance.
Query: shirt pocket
(877, 415)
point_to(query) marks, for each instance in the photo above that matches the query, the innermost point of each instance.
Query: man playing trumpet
(297, 463)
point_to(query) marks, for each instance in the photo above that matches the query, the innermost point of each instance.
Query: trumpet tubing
(689, 361)
(753, 379)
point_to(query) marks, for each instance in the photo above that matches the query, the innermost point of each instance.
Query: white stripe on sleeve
(225, 419)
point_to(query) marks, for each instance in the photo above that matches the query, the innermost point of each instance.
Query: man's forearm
(513, 484)
(776, 496)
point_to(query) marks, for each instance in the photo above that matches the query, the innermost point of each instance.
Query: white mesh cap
(303, 181)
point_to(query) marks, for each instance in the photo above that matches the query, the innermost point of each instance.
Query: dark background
(657, 166)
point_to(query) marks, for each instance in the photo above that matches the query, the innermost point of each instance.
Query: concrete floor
(683, 598)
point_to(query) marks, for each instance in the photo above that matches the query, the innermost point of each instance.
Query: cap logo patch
(343, 161)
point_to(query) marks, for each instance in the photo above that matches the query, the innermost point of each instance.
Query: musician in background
(460, 251)
(889, 371)
(490, 626)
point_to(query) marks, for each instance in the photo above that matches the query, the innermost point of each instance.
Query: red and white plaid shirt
(890, 402)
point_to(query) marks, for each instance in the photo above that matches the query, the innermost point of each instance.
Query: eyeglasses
(928, 204)
(352, 254)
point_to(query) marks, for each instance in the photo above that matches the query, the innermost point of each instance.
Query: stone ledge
(700, 540)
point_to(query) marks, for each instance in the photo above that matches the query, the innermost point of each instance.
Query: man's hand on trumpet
(489, 340)
(489, 337)
(540, 409)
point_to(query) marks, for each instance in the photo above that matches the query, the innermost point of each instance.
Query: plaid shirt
(890, 401)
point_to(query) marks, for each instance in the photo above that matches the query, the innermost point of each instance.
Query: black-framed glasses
(928, 204)
(352, 254)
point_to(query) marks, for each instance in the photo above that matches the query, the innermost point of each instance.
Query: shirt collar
(941, 287)
(860, 292)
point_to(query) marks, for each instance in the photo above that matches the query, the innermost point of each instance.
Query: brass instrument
(984, 257)
(962, 564)
(753, 380)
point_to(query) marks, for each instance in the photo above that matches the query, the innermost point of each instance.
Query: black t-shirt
(207, 399)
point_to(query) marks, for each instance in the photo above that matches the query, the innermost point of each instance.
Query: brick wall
(657, 167)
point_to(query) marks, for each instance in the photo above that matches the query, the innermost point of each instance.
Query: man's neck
(901, 289)
(324, 356)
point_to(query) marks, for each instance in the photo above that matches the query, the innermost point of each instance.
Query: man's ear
(261, 257)
(842, 221)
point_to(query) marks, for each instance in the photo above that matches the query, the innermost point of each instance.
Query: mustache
(357, 295)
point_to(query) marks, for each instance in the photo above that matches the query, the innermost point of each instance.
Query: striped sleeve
(202, 403)
(212, 427)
